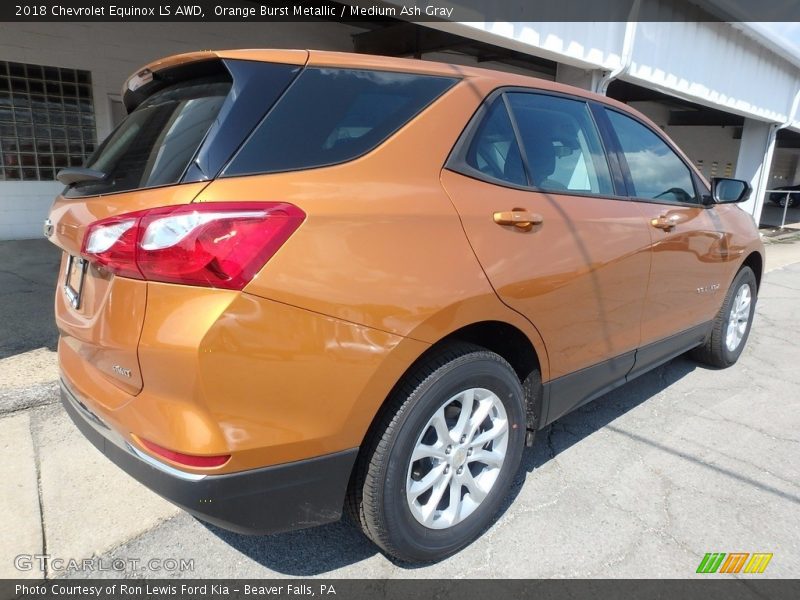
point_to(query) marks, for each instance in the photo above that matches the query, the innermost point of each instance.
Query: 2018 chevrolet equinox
(297, 283)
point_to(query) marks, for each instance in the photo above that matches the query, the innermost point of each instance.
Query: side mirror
(728, 191)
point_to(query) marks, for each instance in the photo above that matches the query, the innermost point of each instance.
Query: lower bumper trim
(284, 497)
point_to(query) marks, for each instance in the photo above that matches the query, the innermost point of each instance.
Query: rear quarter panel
(382, 245)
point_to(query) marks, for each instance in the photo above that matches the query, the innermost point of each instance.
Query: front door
(687, 240)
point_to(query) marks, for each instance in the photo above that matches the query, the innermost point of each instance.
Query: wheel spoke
(484, 408)
(476, 493)
(429, 508)
(498, 428)
(426, 451)
(434, 476)
(744, 305)
(453, 513)
(744, 310)
(467, 402)
(440, 426)
(487, 457)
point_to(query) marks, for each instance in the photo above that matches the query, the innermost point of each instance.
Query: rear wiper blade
(78, 174)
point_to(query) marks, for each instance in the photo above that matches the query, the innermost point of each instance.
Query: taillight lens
(112, 243)
(214, 244)
(190, 460)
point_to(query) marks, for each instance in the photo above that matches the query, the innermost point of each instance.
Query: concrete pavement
(640, 483)
(66, 499)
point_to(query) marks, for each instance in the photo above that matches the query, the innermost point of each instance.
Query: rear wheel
(442, 458)
(732, 324)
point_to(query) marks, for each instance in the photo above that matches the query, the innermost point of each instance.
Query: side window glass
(494, 150)
(329, 116)
(561, 143)
(657, 172)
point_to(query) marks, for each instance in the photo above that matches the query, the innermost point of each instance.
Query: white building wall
(459, 58)
(112, 51)
(715, 65)
(586, 45)
(753, 163)
(24, 206)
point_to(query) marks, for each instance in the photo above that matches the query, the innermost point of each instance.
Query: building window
(46, 120)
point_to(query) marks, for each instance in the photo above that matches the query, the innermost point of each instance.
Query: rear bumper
(290, 496)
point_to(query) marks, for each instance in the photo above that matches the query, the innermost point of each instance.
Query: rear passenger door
(549, 226)
(688, 242)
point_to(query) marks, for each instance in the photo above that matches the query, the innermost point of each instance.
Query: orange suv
(298, 282)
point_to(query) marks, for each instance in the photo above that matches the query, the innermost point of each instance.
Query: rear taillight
(214, 244)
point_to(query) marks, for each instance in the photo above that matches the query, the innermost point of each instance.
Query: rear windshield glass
(330, 116)
(155, 143)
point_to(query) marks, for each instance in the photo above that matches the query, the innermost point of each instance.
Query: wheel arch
(755, 261)
(503, 338)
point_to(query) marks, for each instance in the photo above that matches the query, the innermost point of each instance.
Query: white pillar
(587, 79)
(796, 177)
(755, 160)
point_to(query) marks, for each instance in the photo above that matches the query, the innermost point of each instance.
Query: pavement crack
(720, 419)
(33, 282)
(38, 466)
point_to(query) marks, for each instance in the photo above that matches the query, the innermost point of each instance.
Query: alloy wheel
(457, 458)
(738, 318)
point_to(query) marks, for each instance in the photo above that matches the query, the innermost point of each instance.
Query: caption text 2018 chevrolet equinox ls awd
(297, 283)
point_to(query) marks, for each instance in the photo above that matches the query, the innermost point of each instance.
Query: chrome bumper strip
(115, 438)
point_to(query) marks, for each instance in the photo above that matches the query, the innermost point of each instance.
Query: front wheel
(731, 326)
(442, 459)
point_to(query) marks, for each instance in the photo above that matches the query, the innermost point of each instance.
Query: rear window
(330, 116)
(155, 143)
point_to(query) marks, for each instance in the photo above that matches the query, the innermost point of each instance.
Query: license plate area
(74, 275)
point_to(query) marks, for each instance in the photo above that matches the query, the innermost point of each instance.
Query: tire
(726, 342)
(385, 476)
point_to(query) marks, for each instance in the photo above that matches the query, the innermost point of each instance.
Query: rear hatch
(187, 116)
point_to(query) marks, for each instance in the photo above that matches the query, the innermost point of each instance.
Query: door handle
(519, 218)
(666, 222)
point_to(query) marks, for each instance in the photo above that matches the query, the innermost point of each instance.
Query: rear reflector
(189, 460)
(213, 244)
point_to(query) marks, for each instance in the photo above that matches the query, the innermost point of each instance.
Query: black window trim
(523, 152)
(220, 133)
(614, 143)
(456, 160)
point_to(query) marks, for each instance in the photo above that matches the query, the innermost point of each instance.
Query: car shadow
(597, 414)
(311, 552)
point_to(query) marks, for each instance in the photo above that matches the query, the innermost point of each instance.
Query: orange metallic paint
(105, 329)
(298, 364)
(580, 276)
(693, 256)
